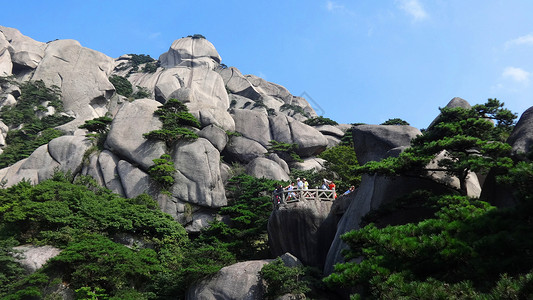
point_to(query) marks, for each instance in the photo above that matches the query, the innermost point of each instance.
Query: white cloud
(154, 35)
(523, 40)
(333, 6)
(516, 74)
(413, 8)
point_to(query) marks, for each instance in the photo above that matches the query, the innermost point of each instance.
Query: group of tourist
(301, 184)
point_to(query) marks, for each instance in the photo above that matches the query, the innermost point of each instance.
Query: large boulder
(82, 74)
(236, 83)
(190, 52)
(34, 257)
(238, 281)
(125, 137)
(265, 168)
(5, 57)
(134, 181)
(216, 135)
(521, 139)
(253, 125)
(455, 102)
(243, 150)
(289, 130)
(64, 153)
(303, 229)
(372, 142)
(198, 178)
(24, 51)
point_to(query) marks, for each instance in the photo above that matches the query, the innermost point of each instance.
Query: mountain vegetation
(468, 248)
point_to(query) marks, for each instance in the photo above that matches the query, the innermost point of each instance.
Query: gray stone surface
(108, 162)
(82, 74)
(198, 178)
(372, 142)
(236, 83)
(238, 281)
(134, 181)
(265, 168)
(5, 57)
(215, 116)
(243, 150)
(289, 130)
(125, 137)
(190, 52)
(521, 139)
(330, 130)
(216, 135)
(303, 229)
(309, 163)
(24, 51)
(34, 257)
(253, 125)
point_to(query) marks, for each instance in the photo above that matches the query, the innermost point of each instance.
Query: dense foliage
(281, 280)
(466, 248)
(395, 121)
(465, 140)
(28, 128)
(176, 119)
(122, 85)
(340, 166)
(285, 150)
(84, 220)
(320, 120)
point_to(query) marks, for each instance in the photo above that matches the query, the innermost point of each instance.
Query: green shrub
(281, 280)
(320, 121)
(295, 109)
(284, 150)
(33, 131)
(163, 171)
(395, 121)
(341, 163)
(122, 85)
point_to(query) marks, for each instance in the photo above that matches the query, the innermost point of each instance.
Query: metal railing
(289, 196)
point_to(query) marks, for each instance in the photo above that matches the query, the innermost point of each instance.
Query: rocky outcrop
(33, 258)
(303, 229)
(372, 142)
(266, 168)
(81, 74)
(5, 57)
(190, 52)
(291, 131)
(243, 150)
(24, 51)
(125, 137)
(521, 139)
(198, 178)
(238, 281)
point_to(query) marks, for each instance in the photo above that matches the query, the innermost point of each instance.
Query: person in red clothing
(331, 186)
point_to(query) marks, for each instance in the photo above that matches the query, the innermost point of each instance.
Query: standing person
(324, 184)
(331, 186)
(306, 184)
(291, 187)
(278, 194)
(299, 183)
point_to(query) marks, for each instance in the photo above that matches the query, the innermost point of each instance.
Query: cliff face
(221, 98)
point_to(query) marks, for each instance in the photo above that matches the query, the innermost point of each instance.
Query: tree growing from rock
(465, 141)
(177, 121)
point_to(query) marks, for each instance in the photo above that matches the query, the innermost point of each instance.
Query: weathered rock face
(25, 52)
(125, 136)
(5, 57)
(455, 102)
(521, 139)
(33, 257)
(238, 281)
(198, 178)
(253, 125)
(190, 52)
(63, 153)
(238, 84)
(243, 150)
(372, 142)
(265, 168)
(303, 229)
(82, 74)
(289, 130)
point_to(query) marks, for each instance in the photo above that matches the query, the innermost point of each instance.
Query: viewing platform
(297, 195)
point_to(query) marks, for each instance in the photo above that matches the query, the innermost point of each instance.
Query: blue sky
(355, 61)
